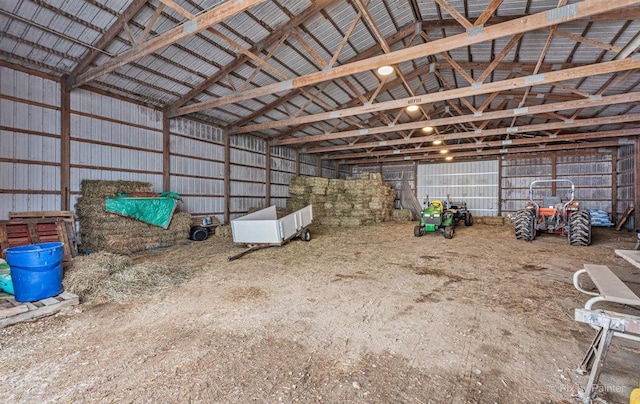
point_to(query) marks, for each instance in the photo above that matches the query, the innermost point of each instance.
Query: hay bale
(106, 278)
(104, 231)
(401, 215)
(101, 189)
(224, 231)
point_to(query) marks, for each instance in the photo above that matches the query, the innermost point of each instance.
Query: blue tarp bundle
(600, 218)
(157, 211)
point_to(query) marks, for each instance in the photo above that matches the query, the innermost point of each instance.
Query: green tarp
(155, 211)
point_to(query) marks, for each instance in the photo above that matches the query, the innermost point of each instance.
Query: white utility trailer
(263, 229)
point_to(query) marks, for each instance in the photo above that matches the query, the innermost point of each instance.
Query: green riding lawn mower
(442, 216)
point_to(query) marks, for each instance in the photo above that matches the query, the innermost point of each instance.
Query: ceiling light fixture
(436, 142)
(427, 129)
(412, 108)
(444, 151)
(449, 158)
(385, 70)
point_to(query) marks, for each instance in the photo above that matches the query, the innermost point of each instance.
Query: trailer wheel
(198, 233)
(305, 235)
(468, 219)
(580, 228)
(418, 231)
(448, 232)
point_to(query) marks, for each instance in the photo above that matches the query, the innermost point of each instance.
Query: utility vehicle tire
(418, 231)
(468, 219)
(448, 232)
(580, 228)
(525, 225)
(305, 235)
(198, 233)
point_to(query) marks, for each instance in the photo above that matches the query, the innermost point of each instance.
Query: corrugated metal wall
(517, 175)
(474, 182)
(197, 166)
(391, 174)
(248, 174)
(591, 174)
(283, 168)
(625, 183)
(113, 139)
(29, 143)
(309, 165)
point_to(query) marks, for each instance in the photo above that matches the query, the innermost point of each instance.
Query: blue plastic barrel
(36, 270)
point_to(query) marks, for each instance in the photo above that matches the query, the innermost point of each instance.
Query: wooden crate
(18, 232)
(67, 216)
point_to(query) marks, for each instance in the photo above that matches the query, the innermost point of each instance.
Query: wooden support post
(415, 179)
(636, 183)
(227, 178)
(554, 172)
(268, 173)
(65, 145)
(614, 185)
(166, 152)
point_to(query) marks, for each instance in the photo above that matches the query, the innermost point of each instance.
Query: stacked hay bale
(103, 231)
(350, 202)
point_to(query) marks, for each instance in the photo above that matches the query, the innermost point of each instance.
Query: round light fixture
(413, 108)
(427, 129)
(444, 151)
(385, 70)
(436, 142)
(449, 158)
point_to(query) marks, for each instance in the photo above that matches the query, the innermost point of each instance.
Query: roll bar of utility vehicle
(573, 188)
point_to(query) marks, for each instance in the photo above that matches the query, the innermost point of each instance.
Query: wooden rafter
(572, 12)
(488, 12)
(272, 38)
(483, 153)
(455, 14)
(568, 124)
(505, 85)
(499, 114)
(106, 39)
(184, 30)
(491, 144)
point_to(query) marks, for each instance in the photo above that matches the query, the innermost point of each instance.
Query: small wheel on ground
(305, 235)
(418, 231)
(198, 233)
(468, 219)
(448, 232)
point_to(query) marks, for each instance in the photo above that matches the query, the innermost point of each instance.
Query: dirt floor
(361, 315)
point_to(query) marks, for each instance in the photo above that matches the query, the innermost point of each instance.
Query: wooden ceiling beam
(505, 85)
(487, 13)
(569, 137)
(567, 124)
(273, 37)
(106, 39)
(555, 16)
(483, 153)
(189, 28)
(501, 114)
